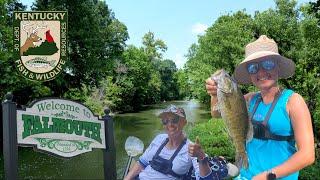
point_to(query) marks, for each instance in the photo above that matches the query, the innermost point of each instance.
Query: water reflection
(129, 123)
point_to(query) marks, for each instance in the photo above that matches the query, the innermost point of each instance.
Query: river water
(145, 125)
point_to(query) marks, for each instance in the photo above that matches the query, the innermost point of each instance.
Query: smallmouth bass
(233, 109)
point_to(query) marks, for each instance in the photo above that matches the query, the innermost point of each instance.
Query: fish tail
(242, 160)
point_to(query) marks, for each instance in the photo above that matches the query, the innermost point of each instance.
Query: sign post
(10, 145)
(109, 155)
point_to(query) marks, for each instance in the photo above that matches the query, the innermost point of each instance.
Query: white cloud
(180, 60)
(199, 28)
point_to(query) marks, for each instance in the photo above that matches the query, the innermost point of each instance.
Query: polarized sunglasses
(172, 121)
(267, 65)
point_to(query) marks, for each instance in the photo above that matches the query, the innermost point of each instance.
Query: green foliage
(152, 46)
(77, 94)
(169, 88)
(90, 98)
(214, 139)
(95, 39)
(120, 94)
(154, 88)
(139, 73)
(307, 79)
(310, 172)
(221, 47)
(182, 80)
(41, 91)
(101, 70)
(315, 9)
(24, 91)
(131, 87)
(45, 48)
(140, 76)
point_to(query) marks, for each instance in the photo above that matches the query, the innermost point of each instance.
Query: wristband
(271, 175)
(203, 160)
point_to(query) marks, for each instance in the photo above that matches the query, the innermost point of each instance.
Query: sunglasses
(267, 65)
(172, 121)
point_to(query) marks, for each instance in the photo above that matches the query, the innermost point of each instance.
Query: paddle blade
(133, 146)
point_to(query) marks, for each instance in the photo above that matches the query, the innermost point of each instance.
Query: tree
(181, 77)
(308, 72)
(169, 88)
(133, 84)
(152, 46)
(221, 47)
(11, 81)
(298, 38)
(315, 9)
(139, 71)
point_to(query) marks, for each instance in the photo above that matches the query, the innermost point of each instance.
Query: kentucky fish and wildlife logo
(40, 43)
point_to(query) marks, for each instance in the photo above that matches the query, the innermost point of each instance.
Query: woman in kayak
(171, 155)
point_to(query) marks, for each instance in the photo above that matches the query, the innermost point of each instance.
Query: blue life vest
(261, 129)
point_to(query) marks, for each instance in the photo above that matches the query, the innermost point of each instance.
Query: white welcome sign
(61, 127)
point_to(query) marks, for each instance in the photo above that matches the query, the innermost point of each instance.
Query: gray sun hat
(172, 109)
(259, 50)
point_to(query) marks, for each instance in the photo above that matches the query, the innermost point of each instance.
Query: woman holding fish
(277, 132)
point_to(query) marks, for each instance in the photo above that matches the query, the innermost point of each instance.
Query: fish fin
(242, 160)
(250, 132)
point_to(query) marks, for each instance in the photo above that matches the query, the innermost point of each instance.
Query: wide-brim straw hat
(258, 50)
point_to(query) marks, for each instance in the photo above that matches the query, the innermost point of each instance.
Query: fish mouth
(225, 83)
(229, 86)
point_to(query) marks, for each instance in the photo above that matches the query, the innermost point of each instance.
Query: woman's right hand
(195, 149)
(211, 87)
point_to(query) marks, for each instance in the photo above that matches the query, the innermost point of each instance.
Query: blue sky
(176, 22)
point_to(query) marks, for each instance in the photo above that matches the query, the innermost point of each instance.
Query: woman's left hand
(261, 176)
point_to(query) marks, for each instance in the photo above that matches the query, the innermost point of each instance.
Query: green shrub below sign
(214, 139)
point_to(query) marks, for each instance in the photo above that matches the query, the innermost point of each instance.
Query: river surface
(145, 125)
